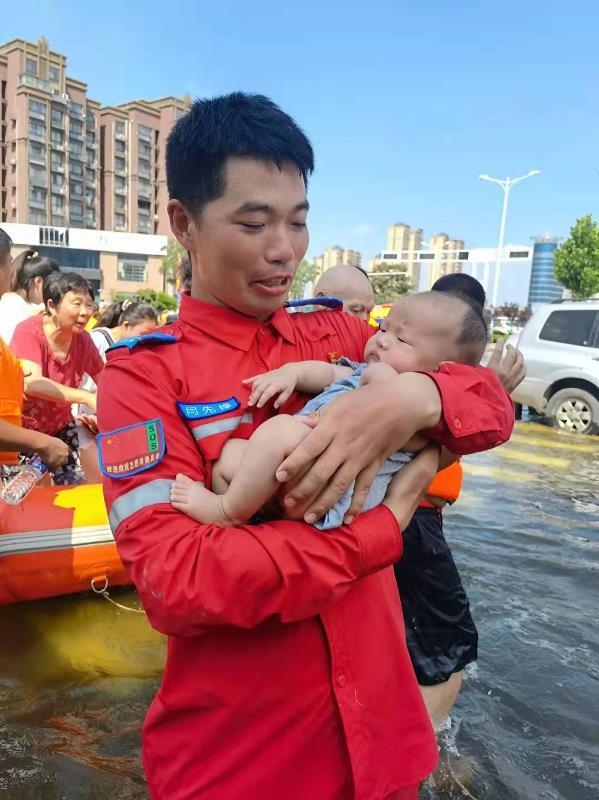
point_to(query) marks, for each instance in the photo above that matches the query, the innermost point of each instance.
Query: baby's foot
(197, 502)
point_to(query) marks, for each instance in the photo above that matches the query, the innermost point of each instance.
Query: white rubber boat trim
(15, 544)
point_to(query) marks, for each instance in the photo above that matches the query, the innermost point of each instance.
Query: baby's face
(417, 336)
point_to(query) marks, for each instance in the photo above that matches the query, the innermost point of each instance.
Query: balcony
(38, 179)
(41, 115)
(37, 204)
(76, 111)
(37, 158)
(58, 220)
(76, 136)
(75, 176)
(57, 145)
(35, 82)
(57, 166)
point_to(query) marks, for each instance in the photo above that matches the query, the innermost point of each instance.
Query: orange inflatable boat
(57, 541)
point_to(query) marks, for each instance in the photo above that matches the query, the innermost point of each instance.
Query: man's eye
(252, 225)
(299, 224)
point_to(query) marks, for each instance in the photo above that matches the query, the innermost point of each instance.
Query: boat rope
(106, 595)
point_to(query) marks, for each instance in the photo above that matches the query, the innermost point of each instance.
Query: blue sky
(406, 102)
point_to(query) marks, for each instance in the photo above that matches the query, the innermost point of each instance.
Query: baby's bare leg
(254, 481)
(243, 477)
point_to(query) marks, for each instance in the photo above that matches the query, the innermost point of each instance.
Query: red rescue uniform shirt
(287, 673)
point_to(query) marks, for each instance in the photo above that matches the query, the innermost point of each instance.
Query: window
(37, 197)
(37, 108)
(120, 183)
(37, 153)
(132, 268)
(37, 175)
(90, 120)
(37, 217)
(145, 150)
(75, 169)
(143, 188)
(57, 138)
(119, 128)
(57, 118)
(31, 66)
(75, 209)
(57, 180)
(75, 149)
(119, 221)
(569, 327)
(120, 147)
(76, 189)
(90, 197)
(145, 133)
(143, 169)
(57, 204)
(37, 129)
(76, 109)
(90, 139)
(56, 160)
(76, 127)
(91, 158)
(54, 74)
(119, 202)
(90, 175)
(120, 164)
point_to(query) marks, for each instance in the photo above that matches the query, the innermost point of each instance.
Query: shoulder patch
(328, 302)
(148, 339)
(135, 448)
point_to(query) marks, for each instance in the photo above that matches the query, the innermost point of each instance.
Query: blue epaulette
(328, 302)
(147, 339)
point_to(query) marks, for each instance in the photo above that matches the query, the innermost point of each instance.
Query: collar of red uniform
(230, 326)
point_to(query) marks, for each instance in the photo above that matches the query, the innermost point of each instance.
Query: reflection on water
(77, 674)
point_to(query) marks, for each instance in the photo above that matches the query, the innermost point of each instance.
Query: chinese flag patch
(130, 450)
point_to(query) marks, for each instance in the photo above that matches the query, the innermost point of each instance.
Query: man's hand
(353, 436)
(509, 368)
(53, 452)
(279, 382)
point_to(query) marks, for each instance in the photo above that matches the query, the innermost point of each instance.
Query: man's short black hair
(5, 243)
(463, 284)
(57, 284)
(215, 130)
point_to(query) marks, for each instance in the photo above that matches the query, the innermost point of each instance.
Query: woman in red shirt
(56, 351)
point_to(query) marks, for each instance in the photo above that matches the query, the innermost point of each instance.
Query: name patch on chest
(207, 410)
(127, 451)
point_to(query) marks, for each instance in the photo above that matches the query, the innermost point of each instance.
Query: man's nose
(279, 249)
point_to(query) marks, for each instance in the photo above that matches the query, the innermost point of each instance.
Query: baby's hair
(474, 334)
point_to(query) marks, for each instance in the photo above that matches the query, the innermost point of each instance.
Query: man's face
(4, 272)
(358, 302)
(247, 244)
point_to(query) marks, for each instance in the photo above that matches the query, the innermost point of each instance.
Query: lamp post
(506, 184)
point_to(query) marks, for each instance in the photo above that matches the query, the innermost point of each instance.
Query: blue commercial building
(543, 286)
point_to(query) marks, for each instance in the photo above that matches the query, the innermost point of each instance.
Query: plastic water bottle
(19, 486)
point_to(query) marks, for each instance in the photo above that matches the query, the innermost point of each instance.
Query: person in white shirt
(24, 299)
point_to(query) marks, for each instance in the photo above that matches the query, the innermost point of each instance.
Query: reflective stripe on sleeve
(150, 494)
(221, 425)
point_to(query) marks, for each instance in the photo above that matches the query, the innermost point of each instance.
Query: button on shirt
(287, 673)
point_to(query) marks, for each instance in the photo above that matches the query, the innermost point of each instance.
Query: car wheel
(573, 410)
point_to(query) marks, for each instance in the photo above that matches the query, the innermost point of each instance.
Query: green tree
(387, 288)
(577, 260)
(305, 273)
(171, 262)
(158, 300)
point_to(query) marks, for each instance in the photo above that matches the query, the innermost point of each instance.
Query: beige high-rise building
(402, 238)
(66, 162)
(333, 257)
(446, 259)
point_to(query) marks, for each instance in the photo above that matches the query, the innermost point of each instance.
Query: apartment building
(446, 259)
(333, 257)
(67, 162)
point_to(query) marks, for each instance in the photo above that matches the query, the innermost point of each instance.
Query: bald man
(349, 284)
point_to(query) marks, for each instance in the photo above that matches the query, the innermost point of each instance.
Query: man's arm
(191, 576)
(462, 408)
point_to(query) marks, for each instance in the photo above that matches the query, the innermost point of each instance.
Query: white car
(560, 345)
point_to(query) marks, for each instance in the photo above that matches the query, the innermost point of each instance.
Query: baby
(421, 332)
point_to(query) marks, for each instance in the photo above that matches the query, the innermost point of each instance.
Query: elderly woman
(25, 298)
(56, 351)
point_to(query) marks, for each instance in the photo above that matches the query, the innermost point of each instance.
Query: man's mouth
(273, 286)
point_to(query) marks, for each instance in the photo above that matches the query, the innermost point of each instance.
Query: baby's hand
(280, 382)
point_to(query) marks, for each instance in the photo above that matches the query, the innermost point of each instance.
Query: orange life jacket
(11, 394)
(447, 483)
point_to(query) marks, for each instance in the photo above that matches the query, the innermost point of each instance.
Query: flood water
(76, 674)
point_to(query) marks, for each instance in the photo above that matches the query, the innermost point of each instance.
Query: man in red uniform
(287, 673)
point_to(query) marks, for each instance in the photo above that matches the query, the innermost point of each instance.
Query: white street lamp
(506, 185)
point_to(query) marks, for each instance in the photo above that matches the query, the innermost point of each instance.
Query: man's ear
(182, 223)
